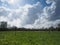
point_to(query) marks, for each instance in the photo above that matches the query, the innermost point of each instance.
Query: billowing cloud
(49, 13)
(31, 16)
(56, 15)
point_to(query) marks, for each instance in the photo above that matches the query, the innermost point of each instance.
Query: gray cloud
(32, 13)
(3, 11)
(32, 16)
(56, 15)
(50, 16)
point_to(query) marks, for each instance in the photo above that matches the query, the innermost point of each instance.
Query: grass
(29, 38)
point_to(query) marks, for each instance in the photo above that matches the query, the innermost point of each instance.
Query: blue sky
(24, 2)
(30, 13)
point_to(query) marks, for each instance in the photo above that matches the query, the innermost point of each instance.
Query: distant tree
(51, 29)
(58, 27)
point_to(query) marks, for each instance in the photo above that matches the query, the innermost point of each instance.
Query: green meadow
(29, 38)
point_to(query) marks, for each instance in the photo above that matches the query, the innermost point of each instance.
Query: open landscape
(29, 22)
(29, 38)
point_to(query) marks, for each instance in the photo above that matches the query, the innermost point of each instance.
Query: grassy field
(29, 38)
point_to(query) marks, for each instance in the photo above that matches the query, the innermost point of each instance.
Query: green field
(29, 38)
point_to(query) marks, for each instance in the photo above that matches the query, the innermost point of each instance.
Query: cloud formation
(32, 16)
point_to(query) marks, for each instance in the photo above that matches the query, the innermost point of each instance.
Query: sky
(30, 13)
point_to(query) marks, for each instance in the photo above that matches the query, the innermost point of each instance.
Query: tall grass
(29, 38)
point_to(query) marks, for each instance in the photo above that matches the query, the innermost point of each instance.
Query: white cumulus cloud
(30, 16)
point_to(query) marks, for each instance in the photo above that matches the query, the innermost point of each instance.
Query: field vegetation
(29, 38)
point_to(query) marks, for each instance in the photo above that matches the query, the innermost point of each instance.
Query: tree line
(3, 27)
(24, 29)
